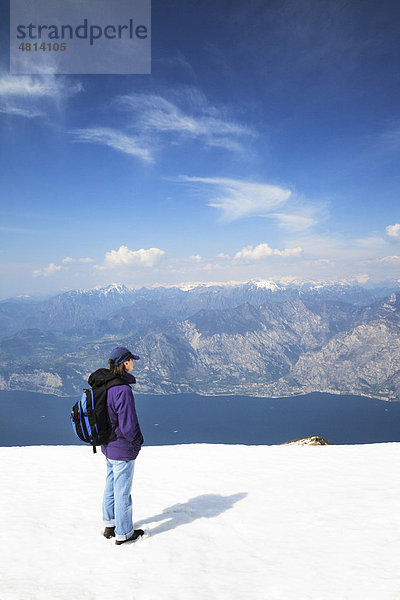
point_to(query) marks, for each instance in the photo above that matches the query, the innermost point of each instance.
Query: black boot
(109, 532)
(135, 536)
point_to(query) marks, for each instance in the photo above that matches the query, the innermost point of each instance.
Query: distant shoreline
(222, 395)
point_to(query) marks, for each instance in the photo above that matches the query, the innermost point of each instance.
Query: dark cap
(121, 354)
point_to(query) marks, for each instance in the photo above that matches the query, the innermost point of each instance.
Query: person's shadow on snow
(207, 505)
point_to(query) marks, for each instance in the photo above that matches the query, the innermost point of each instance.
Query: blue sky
(265, 144)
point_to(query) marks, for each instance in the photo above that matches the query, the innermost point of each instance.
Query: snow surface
(225, 523)
(265, 284)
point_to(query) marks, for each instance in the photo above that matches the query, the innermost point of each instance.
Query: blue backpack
(89, 416)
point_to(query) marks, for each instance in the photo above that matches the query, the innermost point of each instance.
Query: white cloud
(372, 242)
(362, 277)
(393, 231)
(52, 268)
(153, 117)
(39, 86)
(20, 95)
(47, 271)
(200, 120)
(125, 257)
(34, 86)
(294, 222)
(86, 259)
(114, 139)
(388, 260)
(68, 260)
(29, 113)
(251, 254)
(195, 257)
(240, 199)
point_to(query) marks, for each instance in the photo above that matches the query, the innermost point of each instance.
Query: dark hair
(118, 370)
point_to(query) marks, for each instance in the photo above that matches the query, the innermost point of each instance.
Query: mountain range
(259, 338)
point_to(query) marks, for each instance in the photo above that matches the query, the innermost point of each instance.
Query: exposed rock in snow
(313, 440)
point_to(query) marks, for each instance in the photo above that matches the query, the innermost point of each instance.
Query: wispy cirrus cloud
(388, 260)
(296, 221)
(150, 120)
(25, 96)
(29, 113)
(114, 139)
(237, 199)
(373, 242)
(193, 118)
(37, 86)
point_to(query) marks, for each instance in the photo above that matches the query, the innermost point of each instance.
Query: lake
(28, 418)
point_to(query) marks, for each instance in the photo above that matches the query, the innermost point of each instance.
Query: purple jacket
(122, 414)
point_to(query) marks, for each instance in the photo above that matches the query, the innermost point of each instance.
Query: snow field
(224, 522)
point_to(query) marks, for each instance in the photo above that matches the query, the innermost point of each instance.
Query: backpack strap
(90, 415)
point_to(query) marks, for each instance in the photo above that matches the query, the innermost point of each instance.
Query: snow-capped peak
(265, 284)
(115, 287)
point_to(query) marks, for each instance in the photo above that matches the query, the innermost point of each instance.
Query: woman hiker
(122, 450)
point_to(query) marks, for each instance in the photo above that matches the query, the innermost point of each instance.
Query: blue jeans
(117, 501)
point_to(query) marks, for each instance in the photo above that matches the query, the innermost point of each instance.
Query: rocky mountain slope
(304, 340)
